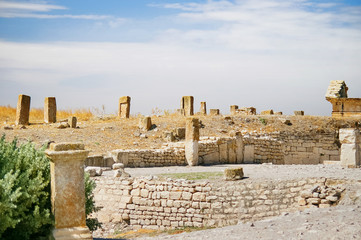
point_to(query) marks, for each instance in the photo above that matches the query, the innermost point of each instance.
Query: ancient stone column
(350, 139)
(50, 110)
(22, 110)
(124, 107)
(187, 105)
(67, 190)
(203, 109)
(233, 109)
(299, 113)
(191, 142)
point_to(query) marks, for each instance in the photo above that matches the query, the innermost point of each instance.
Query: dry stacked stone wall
(160, 204)
(295, 148)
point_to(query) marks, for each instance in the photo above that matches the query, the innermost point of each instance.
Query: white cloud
(268, 54)
(25, 6)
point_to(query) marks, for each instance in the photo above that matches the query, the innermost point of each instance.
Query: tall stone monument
(191, 141)
(68, 190)
(187, 105)
(233, 109)
(22, 110)
(50, 110)
(124, 107)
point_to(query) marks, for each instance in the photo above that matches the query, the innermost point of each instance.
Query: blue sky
(270, 54)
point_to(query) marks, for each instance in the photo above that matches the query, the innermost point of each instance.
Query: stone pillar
(299, 113)
(68, 190)
(350, 139)
(187, 105)
(22, 110)
(191, 142)
(72, 121)
(203, 109)
(233, 109)
(124, 107)
(145, 123)
(214, 112)
(50, 110)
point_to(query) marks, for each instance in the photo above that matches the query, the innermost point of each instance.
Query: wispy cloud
(42, 11)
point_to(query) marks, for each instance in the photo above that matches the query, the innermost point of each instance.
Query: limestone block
(118, 166)
(232, 155)
(214, 112)
(233, 109)
(337, 89)
(124, 107)
(180, 132)
(22, 110)
(187, 105)
(145, 123)
(72, 121)
(50, 110)
(349, 135)
(95, 160)
(267, 112)
(350, 148)
(94, 171)
(231, 174)
(278, 113)
(169, 136)
(299, 113)
(203, 109)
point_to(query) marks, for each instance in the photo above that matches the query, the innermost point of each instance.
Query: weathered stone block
(22, 110)
(124, 107)
(203, 109)
(267, 112)
(145, 123)
(72, 121)
(299, 113)
(214, 112)
(50, 110)
(231, 174)
(187, 105)
(233, 109)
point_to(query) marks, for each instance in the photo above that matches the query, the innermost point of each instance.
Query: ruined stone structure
(187, 105)
(67, 190)
(342, 106)
(299, 113)
(145, 123)
(191, 141)
(22, 110)
(233, 109)
(203, 109)
(50, 110)
(156, 204)
(124, 107)
(214, 112)
(267, 112)
(350, 139)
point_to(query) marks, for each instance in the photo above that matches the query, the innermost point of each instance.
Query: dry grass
(8, 114)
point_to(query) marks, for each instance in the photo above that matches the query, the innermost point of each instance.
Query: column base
(78, 233)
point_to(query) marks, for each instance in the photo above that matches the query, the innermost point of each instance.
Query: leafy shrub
(25, 206)
(24, 191)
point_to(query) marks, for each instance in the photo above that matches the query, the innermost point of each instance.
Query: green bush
(24, 191)
(25, 207)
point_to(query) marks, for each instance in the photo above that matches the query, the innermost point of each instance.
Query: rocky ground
(101, 135)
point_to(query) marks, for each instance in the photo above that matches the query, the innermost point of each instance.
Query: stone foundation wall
(211, 151)
(299, 148)
(156, 204)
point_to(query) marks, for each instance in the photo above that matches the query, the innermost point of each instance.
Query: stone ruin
(50, 110)
(124, 107)
(342, 106)
(242, 111)
(203, 109)
(187, 105)
(22, 110)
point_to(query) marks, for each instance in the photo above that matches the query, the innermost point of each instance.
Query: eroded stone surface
(23, 110)
(50, 110)
(124, 107)
(187, 105)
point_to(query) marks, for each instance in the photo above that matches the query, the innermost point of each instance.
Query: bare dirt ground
(101, 135)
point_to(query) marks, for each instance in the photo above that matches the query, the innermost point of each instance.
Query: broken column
(350, 149)
(299, 113)
(124, 107)
(145, 123)
(203, 109)
(22, 110)
(191, 142)
(233, 109)
(68, 190)
(187, 105)
(50, 110)
(72, 121)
